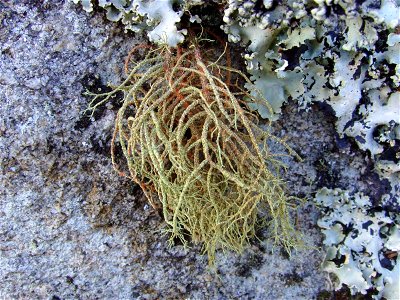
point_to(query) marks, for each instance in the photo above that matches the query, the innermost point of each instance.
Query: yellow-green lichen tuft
(197, 152)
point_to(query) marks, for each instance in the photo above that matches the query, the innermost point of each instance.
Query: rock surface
(70, 228)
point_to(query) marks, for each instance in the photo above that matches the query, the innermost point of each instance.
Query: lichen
(362, 243)
(198, 155)
(158, 18)
(343, 53)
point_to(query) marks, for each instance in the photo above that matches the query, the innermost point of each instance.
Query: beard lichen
(197, 152)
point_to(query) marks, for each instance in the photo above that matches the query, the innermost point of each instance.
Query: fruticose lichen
(199, 156)
(362, 244)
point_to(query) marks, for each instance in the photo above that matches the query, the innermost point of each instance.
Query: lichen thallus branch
(196, 151)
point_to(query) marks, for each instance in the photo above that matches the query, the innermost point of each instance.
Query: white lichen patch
(361, 243)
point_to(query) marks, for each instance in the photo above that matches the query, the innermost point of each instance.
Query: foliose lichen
(158, 18)
(361, 243)
(343, 53)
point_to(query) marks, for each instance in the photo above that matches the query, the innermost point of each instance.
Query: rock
(33, 83)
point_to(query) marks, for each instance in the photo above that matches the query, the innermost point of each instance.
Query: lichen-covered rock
(70, 227)
(344, 53)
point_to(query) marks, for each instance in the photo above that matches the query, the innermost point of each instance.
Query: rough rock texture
(70, 228)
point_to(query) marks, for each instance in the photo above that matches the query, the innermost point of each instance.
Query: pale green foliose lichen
(343, 53)
(158, 18)
(358, 241)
